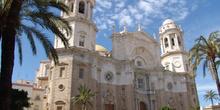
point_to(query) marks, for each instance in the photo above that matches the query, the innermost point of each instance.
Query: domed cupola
(102, 51)
(168, 24)
(171, 37)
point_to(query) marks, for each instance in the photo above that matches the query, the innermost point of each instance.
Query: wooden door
(142, 106)
(109, 107)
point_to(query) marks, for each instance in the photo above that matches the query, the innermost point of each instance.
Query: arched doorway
(142, 106)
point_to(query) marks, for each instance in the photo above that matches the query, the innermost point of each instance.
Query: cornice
(167, 30)
(96, 54)
(73, 18)
(174, 52)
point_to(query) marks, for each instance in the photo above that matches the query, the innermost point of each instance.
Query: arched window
(81, 7)
(166, 43)
(173, 43)
(179, 42)
(72, 7)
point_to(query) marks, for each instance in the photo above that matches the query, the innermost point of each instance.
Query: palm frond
(85, 96)
(19, 45)
(29, 31)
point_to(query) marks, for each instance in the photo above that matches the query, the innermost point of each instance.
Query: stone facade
(133, 76)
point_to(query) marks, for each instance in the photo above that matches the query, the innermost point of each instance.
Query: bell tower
(81, 20)
(173, 54)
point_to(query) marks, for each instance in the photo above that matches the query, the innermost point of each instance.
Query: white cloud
(98, 8)
(138, 16)
(181, 16)
(106, 4)
(110, 22)
(206, 87)
(132, 10)
(146, 7)
(126, 19)
(120, 5)
(102, 26)
(140, 11)
(173, 1)
(105, 35)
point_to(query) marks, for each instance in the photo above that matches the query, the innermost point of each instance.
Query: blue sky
(196, 17)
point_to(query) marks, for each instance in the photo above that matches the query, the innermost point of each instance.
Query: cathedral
(132, 76)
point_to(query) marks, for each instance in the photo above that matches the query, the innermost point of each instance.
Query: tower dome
(168, 24)
(168, 21)
(101, 49)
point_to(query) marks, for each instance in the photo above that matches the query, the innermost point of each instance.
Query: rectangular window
(62, 69)
(81, 73)
(47, 71)
(81, 41)
(59, 108)
(140, 84)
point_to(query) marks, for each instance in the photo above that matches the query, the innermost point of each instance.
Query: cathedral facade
(132, 76)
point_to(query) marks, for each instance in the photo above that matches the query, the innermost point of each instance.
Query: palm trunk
(7, 58)
(212, 102)
(215, 74)
(2, 21)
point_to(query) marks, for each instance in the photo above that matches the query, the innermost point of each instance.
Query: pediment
(141, 35)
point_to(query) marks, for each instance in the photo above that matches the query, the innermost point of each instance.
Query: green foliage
(211, 95)
(19, 99)
(195, 108)
(38, 13)
(166, 108)
(84, 97)
(206, 50)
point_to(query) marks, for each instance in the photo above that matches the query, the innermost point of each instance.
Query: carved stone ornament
(109, 97)
(177, 64)
(171, 102)
(61, 87)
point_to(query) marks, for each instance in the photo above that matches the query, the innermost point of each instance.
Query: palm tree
(211, 95)
(206, 50)
(84, 97)
(12, 15)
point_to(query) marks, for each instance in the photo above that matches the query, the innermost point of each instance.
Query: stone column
(176, 41)
(75, 8)
(92, 14)
(88, 11)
